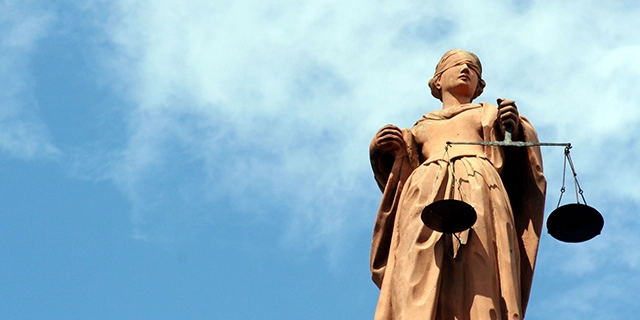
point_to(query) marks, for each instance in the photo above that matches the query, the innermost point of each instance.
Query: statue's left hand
(508, 116)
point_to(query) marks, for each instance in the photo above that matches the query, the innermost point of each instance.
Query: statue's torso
(460, 124)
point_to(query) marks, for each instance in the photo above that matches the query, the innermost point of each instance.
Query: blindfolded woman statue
(481, 273)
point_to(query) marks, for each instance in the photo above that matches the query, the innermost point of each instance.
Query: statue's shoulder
(423, 118)
(487, 105)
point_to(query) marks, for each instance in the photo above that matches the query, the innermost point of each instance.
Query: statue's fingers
(389, 127)
(390, 138)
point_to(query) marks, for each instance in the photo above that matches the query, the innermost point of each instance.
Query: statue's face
(459, 80)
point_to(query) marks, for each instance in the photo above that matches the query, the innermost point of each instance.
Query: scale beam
(509, 143)
(569, 223)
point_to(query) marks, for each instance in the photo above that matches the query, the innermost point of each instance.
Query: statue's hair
(451, 59)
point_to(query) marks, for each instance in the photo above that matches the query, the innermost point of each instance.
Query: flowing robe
(482, 273)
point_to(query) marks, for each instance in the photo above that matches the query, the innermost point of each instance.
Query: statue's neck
(452, 100)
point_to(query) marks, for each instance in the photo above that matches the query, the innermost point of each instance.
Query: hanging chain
(576, 184)
(453, 185)
(575, 179)
(450, 169)
(564, 173)
(453, 177)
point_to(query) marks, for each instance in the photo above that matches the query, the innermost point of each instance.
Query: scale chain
(575, 178)
(453, 185)
(576, 184)
(564, 174)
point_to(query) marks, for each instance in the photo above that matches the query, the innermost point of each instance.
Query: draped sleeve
(390, 174)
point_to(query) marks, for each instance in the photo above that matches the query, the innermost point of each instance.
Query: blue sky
(209, 160)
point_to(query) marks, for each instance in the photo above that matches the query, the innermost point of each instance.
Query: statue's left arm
(522, 176)
(526, 185)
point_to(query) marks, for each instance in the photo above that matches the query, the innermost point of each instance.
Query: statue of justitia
(484, 272)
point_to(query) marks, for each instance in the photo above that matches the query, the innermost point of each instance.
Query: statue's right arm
(393, 159)
(387, 145)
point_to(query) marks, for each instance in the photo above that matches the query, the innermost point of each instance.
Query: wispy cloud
(265, 104)
(23, 134)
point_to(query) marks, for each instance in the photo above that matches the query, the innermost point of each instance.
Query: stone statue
(481, 273)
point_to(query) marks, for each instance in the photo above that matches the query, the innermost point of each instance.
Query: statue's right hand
(389, 139)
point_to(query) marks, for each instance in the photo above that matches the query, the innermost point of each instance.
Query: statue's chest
(431, 135)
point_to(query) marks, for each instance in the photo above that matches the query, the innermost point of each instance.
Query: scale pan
(575, 222)
(449, 216)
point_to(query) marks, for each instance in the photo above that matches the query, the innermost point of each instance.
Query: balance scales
(575, 222)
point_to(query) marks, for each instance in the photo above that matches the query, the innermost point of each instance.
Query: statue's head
(454, 58)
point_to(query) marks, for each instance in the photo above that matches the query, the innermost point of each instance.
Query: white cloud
(23, 134)
(261, 104)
